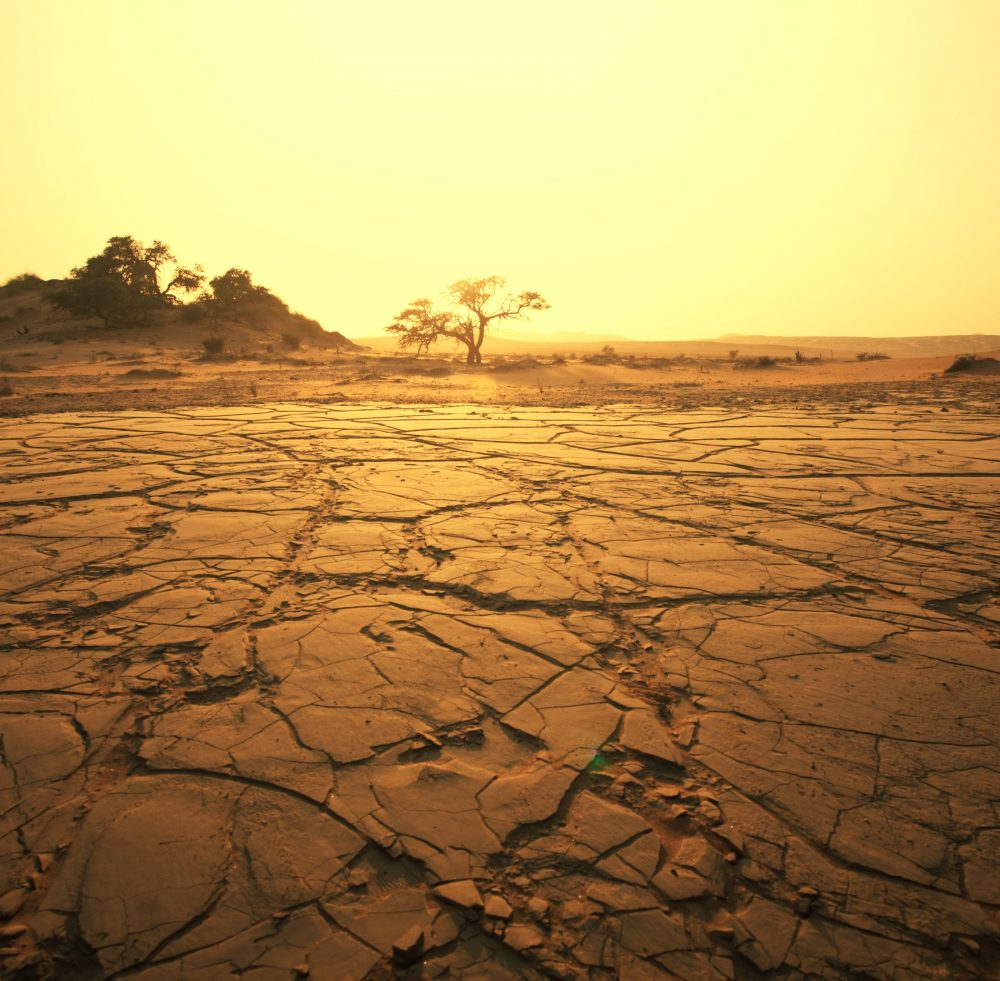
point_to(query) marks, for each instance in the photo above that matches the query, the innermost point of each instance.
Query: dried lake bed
(348, 691)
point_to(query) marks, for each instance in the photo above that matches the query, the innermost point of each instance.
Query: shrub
(191, 313)
(764, 361)
(214, 344)
(558, 359)
(872, 356)
(292, 341)
(5, 388)
(26, 281)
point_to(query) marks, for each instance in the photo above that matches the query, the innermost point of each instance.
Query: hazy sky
(659, 169)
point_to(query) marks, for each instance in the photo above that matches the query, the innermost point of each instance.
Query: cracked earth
(363, 691)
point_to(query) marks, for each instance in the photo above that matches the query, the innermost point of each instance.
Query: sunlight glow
(658, 169)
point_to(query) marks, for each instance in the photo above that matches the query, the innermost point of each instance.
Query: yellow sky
(658, 169)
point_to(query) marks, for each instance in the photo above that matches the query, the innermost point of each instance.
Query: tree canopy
(126, 282)
(475, 303)
(233, 290)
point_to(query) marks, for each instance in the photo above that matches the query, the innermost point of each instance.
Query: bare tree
(476, 304)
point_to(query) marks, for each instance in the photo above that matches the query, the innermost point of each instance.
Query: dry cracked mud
(356, 691)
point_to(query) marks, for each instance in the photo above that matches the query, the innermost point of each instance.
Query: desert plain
(387, 668)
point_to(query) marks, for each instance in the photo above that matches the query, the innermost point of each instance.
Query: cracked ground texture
(348, 692)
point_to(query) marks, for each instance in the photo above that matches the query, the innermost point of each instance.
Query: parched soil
(369, 690)
(78, 378)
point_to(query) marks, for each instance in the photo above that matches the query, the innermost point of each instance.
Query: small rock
(709, 811)
(358, 878)
(498, 907)
(686, 733)
(520, 937)
(302, 970)
(644, 733)
(409, 948)
(44, 861)
(463, 894)
(620, 697)
(12, 930)
(538, 907)
(11, 902)
(804, 900)
(732, 836)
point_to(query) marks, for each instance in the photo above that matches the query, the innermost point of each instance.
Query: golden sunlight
(660, 169)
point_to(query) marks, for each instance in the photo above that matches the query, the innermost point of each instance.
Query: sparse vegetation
(974, 364)
(213, 344)
(762, 361)
(22, 283)
(514, 364)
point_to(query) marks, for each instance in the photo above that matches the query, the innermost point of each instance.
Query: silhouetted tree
(121, 285)
(233, 290)
(476, 307)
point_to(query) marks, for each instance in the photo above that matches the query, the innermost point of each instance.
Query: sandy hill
(27, 316)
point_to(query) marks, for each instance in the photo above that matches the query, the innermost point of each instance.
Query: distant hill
(933, 345)
(560, 337)
(28, 314)
(837, 348)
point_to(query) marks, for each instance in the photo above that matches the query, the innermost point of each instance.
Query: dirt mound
(152, 373)
(972, 364)
(28, 315)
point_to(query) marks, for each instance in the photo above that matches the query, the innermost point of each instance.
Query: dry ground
(359, 690)
(115, 371)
